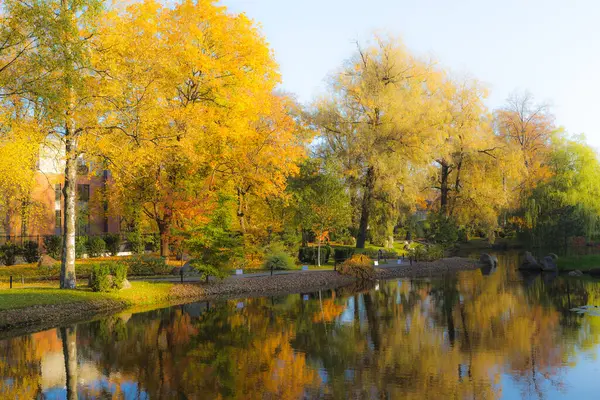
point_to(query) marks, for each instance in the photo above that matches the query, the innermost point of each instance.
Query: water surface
(482, 334)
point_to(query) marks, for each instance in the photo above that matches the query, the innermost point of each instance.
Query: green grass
(582, 263)
(141, 293)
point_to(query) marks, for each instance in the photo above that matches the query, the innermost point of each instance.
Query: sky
(550, 48)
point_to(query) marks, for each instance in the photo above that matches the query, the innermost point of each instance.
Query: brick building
(43, 215)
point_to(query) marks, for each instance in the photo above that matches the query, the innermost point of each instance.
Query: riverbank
(588, 263)
(28, 310)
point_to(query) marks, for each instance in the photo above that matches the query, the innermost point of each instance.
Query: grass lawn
(582, 263)
(141, 293)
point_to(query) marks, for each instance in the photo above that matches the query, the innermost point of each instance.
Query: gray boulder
(486, 259)
(548, 264)
(529, 262)
(575, 273)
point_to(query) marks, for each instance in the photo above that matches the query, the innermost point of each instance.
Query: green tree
(214, 245)
(567, 204)
(322, 202)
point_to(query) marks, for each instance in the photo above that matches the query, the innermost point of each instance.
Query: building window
(57, 191)
(57, 222)
(83, 192)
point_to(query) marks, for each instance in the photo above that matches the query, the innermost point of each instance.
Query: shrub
(349, 241)
(96, 246)
(136, 242)
(310, 254)
(443, 230)
(359, 266)
(279, 260)
(8, 253)
(53, 246)
(119, 273)
(113, 243)
(30, 251)
(147, 265)
(99, 280)
(427, 253)
(341, 254)
(107, 277)
(81, 243)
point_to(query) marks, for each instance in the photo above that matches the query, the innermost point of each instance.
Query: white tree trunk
(319, 251)
(67, 267)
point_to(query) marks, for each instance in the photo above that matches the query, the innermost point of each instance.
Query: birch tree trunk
(67, 266)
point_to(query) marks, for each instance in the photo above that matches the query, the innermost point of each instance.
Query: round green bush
(99, 280)
(96, 246)
(8, 253)
(107, 277)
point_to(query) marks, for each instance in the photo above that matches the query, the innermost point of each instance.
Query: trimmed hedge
(99, 280)
(148, 265)
(107, 277)
(310, 254)
(341, 254)
(119, 273)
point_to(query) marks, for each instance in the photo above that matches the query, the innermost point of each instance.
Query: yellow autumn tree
(528, 128)
(473, 163)
(379, 122)
(190, 106)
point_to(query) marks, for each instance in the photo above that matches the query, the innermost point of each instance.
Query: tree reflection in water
(463, 336)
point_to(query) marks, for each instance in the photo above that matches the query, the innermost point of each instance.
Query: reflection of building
(43, 213)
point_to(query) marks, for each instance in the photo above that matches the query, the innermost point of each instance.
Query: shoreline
(31, 319)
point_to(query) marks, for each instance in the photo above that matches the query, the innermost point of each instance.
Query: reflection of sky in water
(128, 389)
(581, 382)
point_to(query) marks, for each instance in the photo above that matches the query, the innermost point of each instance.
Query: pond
(481, 334)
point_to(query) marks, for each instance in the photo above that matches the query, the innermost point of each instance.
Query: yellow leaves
(190, 93)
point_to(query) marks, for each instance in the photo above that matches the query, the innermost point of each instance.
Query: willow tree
(566, 204)
(379, 122)
(472, 162)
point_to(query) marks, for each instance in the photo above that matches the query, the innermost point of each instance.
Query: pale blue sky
(551, 47)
